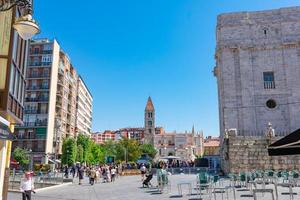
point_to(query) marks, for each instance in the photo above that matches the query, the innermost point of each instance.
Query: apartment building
(100, 138)
(36, 134)
(50, 101)
(84, 108)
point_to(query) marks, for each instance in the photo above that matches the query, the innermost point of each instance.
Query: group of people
(107, 173)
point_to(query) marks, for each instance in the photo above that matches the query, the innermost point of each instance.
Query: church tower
(149, 122)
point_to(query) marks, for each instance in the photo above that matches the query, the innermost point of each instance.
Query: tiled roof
(212, 143)
(149, 105)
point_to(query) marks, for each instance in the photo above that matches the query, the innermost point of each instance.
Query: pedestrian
(92, 176)
(113, 174)
(66, 171)
(143, 170)
(80, 174)
(27, 186)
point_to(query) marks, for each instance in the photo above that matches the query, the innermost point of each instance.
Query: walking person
(80, 174)
(113, 172)
(143, 170)
(27, 186)
(92, 176)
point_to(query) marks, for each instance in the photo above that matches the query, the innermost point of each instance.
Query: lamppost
(125, 154)
(165, 148)
(31, 159)
(24, 25)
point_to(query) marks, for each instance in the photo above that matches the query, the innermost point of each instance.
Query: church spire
(193, 130)
(149, 105)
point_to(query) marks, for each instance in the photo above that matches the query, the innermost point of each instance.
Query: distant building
(149, 122)
(184, 145)
(212, 152)
(101, 138)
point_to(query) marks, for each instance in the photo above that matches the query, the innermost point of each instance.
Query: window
(46, 58)
(271, 104)
(149, 123)
(36, 50)
(269, 80)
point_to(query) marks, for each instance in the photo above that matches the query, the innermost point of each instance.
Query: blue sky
(127, 50)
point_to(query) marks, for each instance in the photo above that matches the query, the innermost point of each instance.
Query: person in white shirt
(27, 186)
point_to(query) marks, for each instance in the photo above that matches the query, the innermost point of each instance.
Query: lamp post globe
(26, 27)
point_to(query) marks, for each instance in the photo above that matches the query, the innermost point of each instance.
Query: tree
(148, 149)
(79, 156)
(69, 150)
(21, 156)
(129, 149)
(86, 144)
(96, 155)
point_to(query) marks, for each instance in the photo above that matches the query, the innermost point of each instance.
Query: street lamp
(31, 159)
(24, 25)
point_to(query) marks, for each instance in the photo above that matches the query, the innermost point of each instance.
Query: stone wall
(250, 44)
(240, 153)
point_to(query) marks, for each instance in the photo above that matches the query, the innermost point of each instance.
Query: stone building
(149, 122)
(257, 69)
(186, 145)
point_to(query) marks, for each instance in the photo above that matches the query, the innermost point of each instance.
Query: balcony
(61, 71)
(40, 64)
(269, 84)
(37, 75)
(34, 111)
(37, 99)
(36, 123)
(37, 87)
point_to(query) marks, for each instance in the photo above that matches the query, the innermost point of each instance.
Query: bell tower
(149, 122)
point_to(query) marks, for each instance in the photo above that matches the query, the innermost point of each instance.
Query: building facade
(212, 152)
(149, 122)
(84, 108)
(50, 101)
(13, 62)
(257, 70)
(186, 145)
(106, 136)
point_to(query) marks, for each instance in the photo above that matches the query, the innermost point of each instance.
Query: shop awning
(288, 145)
(5, 133)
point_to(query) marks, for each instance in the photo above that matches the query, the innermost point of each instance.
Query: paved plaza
(130, 188)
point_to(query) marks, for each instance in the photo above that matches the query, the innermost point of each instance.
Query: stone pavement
(129, 188)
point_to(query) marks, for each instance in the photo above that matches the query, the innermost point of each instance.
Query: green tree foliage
(69, 150)
(110, 148)
(148, 149)
(79, 156)
(130, 147)
(86, 144)
(21, 156)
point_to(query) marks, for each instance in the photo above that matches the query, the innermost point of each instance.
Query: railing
(38, 64)
(37, 123)
(40, 181)
(189, 170)
(37, 99)
(37, 75)
(38, 87)
(30, 111)
(269, 84)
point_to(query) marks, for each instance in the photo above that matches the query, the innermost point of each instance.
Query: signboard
(110, 159)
